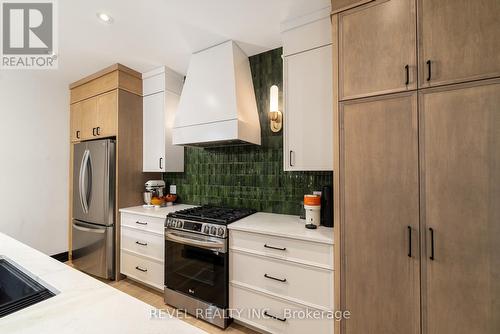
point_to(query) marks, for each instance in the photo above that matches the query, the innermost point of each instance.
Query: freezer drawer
(93, 249)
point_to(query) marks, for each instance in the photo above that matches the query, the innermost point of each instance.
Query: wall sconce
(275, 114)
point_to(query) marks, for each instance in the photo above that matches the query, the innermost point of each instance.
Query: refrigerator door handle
(89, 173)
(83, 191)
(86, 229)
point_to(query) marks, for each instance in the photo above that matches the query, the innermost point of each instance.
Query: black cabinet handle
(141, 243)
(429, 69)
(98, 130)
(274, 278)
(432, 243)
(161, 160)
(277, 248)
(78, 134)
(409, 241)
(407, 69)
(290, 159)
(274, 317)
(93, 132)
(141, 223)
(141, 269)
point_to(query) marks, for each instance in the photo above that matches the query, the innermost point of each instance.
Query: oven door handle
(187, 241)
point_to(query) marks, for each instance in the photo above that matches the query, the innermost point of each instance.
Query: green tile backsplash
(249, 176)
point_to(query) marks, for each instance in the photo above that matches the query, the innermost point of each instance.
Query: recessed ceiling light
(105, 18)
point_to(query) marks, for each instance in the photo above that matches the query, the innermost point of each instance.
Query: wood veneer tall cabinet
(108, 104)
(379, 193)
(459, 41)
(378, 49)
(417, 167)
(460, 223)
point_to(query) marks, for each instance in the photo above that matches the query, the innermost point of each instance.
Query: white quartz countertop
(156, 212)
(283, 226)
(82, 305)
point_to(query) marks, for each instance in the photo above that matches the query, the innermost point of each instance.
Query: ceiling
(149, 33)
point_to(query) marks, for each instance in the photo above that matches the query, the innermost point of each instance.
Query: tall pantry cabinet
(417, 161)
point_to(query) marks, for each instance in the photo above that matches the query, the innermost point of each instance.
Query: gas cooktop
(212, 214)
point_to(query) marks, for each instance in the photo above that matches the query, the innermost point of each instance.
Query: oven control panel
(197, 227)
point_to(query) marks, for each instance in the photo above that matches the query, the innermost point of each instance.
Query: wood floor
(155, 298)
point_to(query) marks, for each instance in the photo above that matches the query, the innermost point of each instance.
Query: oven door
(197, 265)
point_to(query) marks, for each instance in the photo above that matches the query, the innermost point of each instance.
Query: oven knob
(206, 229)
(213, 230)
(179, 224)
(220, 232)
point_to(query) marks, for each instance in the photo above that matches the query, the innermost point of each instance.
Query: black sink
(18, 290)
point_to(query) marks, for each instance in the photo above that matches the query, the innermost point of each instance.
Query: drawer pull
(274, 278)
(274, 317)
(141, 223)
(141, 269)
(141, 243)
(277, 248)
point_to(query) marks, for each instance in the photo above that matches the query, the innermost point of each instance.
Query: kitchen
(242, 167)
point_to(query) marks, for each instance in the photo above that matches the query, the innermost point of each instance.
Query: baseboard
(61, 257)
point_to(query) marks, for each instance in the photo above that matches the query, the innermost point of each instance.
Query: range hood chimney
(217, 105)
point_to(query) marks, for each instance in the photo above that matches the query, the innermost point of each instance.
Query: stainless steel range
(196, 256)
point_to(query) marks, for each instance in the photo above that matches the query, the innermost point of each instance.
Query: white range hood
(217, 105)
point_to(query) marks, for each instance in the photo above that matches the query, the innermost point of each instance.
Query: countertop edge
(283, 235)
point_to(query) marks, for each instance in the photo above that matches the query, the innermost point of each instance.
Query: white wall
(34, 158)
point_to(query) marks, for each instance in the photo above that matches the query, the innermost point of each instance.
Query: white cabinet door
(308, 114)
(154, 133)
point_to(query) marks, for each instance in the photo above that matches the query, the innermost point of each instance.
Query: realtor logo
(28, 34)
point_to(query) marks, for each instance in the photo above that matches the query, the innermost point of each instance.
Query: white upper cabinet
(308, 95)
(162, 89)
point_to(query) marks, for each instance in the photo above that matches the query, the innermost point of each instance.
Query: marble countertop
(283, 226)
(83, 305)
(156, 212)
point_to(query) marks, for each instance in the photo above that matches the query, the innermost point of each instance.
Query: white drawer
(142, 269)
(142, 242)
(301, 251)
(151, 224)
(303, 284)
(251, 306)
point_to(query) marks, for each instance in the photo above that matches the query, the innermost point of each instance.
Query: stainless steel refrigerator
(93, 225)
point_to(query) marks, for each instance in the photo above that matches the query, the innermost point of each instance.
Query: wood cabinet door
(154, 133)
(308, 115)
(107, 120)
(380, 215)
(377, 49)
(460, 179)
(88, 117)
(460, 38)
(76, 122)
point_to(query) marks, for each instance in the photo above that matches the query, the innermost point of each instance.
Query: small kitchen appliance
(197, 261)
(327, 206)
(156, 187)
(312, 206)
